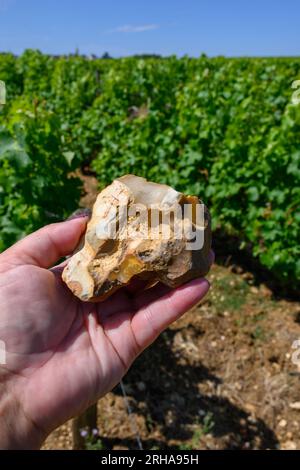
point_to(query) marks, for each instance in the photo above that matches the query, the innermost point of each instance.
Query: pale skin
(63, 354)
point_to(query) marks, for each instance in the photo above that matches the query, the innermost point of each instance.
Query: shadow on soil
(228, 254)
(170, 401)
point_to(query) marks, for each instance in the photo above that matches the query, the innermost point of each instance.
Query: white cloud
(128, 28)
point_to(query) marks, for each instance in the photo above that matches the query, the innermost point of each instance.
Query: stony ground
(222, 377)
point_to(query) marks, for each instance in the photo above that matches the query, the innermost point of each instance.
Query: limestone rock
(140, 229)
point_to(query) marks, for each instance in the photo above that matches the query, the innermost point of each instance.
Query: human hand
(63, 354)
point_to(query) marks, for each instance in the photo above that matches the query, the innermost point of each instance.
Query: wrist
(17, 431)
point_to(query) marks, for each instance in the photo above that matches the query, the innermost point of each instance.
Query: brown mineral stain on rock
(75, 287)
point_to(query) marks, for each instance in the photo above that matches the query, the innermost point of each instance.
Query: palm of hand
(62, 354)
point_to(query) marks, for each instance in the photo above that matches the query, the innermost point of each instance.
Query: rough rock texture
(113, 253)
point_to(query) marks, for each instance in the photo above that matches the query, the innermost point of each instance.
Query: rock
(250, 408)
(289, 445)
(282, 423)
(141, 386)
(144, 230)
(295, 405)
(252, 419)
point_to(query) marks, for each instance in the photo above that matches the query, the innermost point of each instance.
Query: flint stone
(119, 244)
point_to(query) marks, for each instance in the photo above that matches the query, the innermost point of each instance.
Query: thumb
(45, 246)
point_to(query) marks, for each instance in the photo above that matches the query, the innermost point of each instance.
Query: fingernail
(80, 213)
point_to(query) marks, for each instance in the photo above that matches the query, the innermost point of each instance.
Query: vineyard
(224, 129)
(227, 130)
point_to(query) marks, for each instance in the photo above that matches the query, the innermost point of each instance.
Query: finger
(45, 246)
(83, 212)
(136, 285)
(120, 301)
(125, 299)
(144, 297)
(153, 318)
(58, 268)
(147, 296)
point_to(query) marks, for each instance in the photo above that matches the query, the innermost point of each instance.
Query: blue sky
(214, 27)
